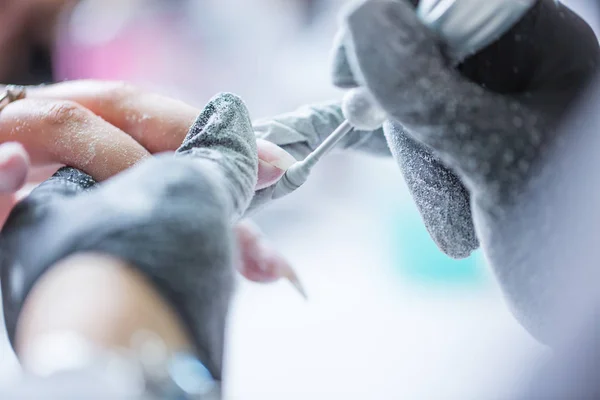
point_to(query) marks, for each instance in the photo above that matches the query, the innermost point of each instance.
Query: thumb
(273, 161)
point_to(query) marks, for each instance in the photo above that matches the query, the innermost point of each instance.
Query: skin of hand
(495, 137)
(134, 306)
(104, 128)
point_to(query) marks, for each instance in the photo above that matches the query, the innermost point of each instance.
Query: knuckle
(61, 112)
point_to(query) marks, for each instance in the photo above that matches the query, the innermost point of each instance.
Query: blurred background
(388, 316)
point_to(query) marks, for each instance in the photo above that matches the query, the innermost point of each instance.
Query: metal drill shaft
(298, 173)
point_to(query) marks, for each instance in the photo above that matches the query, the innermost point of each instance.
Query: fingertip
(291, 276)
(14, 167)
(273, 161)
(9, 148)
(267, 175)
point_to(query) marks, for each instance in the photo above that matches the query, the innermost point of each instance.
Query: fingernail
(282, 163)
(268, 174)
(292, 278)
(276, 262)
(274, 155)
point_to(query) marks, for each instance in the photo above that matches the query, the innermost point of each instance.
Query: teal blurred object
(417, 257)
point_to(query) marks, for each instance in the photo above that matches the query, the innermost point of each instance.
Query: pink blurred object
(136, 41)
(138, 50)
(191, 49)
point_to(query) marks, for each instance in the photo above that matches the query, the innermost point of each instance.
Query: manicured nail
(274, 155)
(292, 278)
(268, 174)
(276, 262)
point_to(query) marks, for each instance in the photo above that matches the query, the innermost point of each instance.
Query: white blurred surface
(364, 333)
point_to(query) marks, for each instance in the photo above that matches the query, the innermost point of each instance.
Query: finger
(156, 122)
(273, 161)
(260, 261)
(14, 167)
(40, 174)
(62, 132)
(7, 202)
(440, 196)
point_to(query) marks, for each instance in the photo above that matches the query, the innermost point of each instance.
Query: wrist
(122, 300)
(146, 369)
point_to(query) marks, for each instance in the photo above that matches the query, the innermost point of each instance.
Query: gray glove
(441, 198)
(301, 131)
(491, 119)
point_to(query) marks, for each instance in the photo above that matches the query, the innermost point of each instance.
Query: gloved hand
(491, 120)
(440, 196)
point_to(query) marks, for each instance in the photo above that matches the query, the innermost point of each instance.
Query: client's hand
(169, 218)
(103, 128)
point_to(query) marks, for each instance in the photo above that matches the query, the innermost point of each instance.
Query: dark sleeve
(549, 45)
